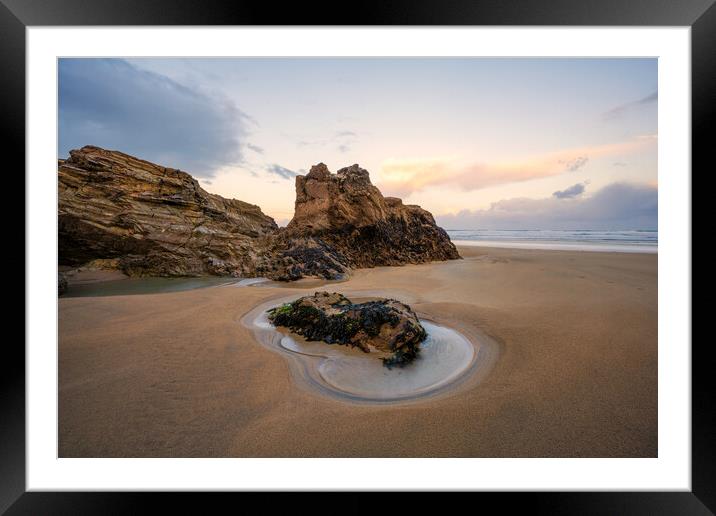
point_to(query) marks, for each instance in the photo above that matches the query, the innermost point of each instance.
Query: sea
(625, 241)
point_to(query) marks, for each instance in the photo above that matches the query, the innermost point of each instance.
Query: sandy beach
(178, 375)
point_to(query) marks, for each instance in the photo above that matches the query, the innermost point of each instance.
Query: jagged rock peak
(355, 174)
(325, 200)
(319, 172)
(351, 216)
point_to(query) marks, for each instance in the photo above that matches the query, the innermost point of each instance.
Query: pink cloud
(403, 176)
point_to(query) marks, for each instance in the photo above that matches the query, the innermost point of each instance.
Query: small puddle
(301, 283)
(249, 282)
(446, 358)
(139, 286)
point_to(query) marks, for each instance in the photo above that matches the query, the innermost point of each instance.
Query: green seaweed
(341, 328)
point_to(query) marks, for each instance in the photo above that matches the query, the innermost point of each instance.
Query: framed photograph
(443, 248)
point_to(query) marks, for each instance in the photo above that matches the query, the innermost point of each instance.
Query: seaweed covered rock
(384, 326)
(289, 259)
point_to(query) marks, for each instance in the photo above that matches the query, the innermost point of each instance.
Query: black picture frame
(16, 15)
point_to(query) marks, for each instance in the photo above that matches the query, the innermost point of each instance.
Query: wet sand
(178, 374)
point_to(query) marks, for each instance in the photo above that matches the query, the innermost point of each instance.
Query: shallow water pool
(445, 358)
(136, 286)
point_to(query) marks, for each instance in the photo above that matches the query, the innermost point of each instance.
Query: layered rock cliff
(151, 219)
(146, 219)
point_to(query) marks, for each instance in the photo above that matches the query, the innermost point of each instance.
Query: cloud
(255, 148)
(113, 104)
(622, 109)
(616, 206)
(281, 171)
(572, 191)
(400, 177)
(343, 140)
(572, 165)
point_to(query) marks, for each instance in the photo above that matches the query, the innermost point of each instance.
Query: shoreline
(560, 246)
(177, 375)
(97, 280)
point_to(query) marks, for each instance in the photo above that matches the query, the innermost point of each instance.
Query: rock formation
(342, 221)
(386, 327)
(154, 220)
(348, 212)
(151, 220)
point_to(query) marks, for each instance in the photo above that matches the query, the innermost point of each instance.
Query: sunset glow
(452, 135)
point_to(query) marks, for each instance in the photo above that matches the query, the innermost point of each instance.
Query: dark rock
(385, 326)
(61, 284)
(291, 259)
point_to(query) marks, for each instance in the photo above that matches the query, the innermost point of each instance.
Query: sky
(481, 143)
